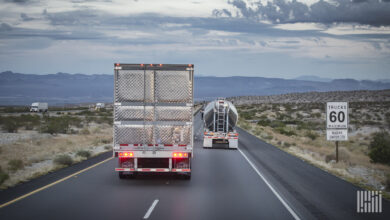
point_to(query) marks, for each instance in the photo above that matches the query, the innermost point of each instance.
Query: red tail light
(180, 155)
(142, 64)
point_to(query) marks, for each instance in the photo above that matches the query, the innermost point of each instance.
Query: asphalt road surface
(259, 181)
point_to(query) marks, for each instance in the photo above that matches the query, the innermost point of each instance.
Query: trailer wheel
(187, 176)
(121, 175)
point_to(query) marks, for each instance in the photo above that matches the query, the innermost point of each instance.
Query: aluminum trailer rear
(153, 118)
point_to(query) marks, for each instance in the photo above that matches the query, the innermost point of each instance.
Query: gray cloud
(5, 27)
(370, 12)
(78, 17)
(25, 17)
(17, 1)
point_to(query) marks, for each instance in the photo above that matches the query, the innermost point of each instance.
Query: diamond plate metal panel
(133, 134)
(173, 113)
(129, 86)
(133, 113)
(169, 134)
(173, 86)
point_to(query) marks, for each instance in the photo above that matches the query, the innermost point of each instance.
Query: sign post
(337, 123)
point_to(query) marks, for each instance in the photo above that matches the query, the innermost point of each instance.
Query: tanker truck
(220, 118)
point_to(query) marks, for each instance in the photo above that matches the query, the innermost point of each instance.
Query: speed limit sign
(337, 115)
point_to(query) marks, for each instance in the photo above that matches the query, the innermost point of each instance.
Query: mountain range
(65, 88)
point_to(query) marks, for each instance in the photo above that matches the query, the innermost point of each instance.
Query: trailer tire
(121, 175)
(187, 176)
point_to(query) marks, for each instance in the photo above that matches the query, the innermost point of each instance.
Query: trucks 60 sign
(337, 115)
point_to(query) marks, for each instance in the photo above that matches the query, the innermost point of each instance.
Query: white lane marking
(150, 210)
(270, 186)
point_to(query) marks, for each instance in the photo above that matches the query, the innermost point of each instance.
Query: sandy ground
(37, 151)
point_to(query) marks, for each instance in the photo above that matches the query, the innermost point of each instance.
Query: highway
(259, 181)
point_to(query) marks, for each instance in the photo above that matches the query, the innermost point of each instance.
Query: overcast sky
(278, 38)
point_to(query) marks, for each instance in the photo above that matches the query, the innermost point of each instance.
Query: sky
(276, 38)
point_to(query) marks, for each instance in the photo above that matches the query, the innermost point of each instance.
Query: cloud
(17, 1)
(370, 12)
(5, 27)
(25, 17)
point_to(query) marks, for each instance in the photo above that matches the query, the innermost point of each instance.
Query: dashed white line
(296, 217)
(150, 210)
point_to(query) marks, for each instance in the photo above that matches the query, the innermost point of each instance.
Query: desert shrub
(63, 160)
(16, 109)
(107, 147)
(344, 155)
(106, 141)
(3, 176)
(312, 135)
(14, 165)
(285, 131)
(84, 153)
(277, 124)
(85, 131)
(86, 113)
(286, 144)
(248, 115)
(55, 125)
(88, 119)
(330, 157)
(387, 183)
(379, 151)
(74, 121)
(264, 122)
(10, 124)
(245, 126)
(387, 118)
(316, 115)
(29, 121)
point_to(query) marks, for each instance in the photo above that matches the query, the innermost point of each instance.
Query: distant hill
(313, 78)
(319, 97)
(63, 88)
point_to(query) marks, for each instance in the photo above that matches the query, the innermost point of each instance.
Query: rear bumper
(151, 170)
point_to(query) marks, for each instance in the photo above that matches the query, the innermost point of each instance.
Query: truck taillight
(117, 64)
(180, 155)
(233, 135)
(209, 133)
(126, 154)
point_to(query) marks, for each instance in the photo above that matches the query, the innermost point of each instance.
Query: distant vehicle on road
(39, 107)
(220, 118)
(99, 105)
(153, 118)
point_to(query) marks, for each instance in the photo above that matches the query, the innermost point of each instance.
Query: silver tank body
(212, 108)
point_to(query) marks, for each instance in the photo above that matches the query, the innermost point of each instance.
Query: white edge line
(270, 186)
(150, 210)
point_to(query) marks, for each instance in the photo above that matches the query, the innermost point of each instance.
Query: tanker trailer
(220, 118)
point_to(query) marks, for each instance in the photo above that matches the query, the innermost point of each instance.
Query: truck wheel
(121, 175)
(187, 176)
(132, 176)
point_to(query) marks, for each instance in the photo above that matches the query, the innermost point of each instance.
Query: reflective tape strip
(124, 169)
(181, 170)
(153, 170)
